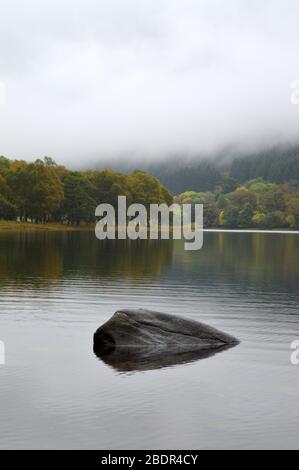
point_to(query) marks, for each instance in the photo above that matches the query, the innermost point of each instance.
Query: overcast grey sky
(94, 79)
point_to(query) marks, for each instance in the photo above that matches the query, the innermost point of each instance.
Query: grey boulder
(143, 339)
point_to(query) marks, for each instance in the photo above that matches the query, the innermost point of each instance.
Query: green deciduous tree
(78, 204)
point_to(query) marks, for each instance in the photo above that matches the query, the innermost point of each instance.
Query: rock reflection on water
(140, 359)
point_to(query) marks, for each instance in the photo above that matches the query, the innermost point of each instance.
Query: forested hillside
(278, 165)
(179, 176)
(253, 191)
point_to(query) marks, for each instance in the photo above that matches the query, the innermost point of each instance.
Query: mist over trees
(277, 165)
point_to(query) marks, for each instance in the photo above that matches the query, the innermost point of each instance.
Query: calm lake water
(57, 288)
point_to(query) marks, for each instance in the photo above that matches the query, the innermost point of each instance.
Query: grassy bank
(49, 227)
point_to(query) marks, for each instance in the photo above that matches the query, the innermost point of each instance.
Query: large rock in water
(143, 339)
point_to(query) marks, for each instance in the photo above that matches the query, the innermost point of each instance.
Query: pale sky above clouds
(87, 80)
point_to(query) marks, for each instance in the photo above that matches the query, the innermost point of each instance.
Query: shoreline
(252, 230)
(6, 226)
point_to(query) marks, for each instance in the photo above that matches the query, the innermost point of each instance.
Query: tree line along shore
(43, 195)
